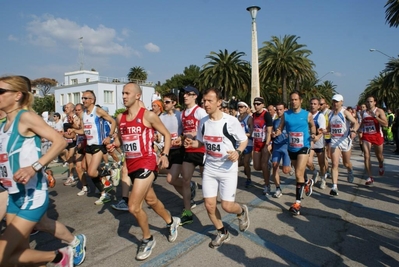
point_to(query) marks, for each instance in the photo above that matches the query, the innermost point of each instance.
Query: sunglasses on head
(3, 91)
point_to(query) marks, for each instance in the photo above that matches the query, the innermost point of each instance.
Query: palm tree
(137, 73)
(327, 90)
(392, 13)
(382, 93)
(285, 60)
(391, 79)
(226, 71)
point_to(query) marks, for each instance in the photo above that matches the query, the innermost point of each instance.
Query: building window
(87, 80)
(108, 97)
(76, 98)
(69, 97)
(74, 81)
(62, 99)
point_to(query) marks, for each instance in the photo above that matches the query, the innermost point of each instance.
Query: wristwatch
(164, 154)
(239, 152)
(37, 166)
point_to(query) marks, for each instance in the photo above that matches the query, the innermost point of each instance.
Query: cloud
(338, 74)
(12, 38)
(49, 31)
(152, 48)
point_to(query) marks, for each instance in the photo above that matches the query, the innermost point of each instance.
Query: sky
(41, 38)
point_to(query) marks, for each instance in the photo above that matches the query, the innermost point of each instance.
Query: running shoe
(370, 181)
(381, 170)
(121, 205)
(79, 254)
(145, 249)
(67, 257)
(243, 219)
(103, 199)
(69, 181)
(65, 165)
(266, 190)
(315, 175)
(308, 187)
(350, 176)
(115, 176)
(193, 204)
(248, 183)
(186, 217)
(85, 190)
(295, 209)
(323, 183)
(219, 240)
(292, 171)
(334, 191)
(173, 229)
(193, 187)
(278, 193)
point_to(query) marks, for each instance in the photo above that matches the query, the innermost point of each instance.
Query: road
(360, 227)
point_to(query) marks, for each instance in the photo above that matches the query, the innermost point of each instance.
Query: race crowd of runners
(213, 135)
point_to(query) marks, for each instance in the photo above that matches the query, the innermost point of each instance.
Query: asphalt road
(360, 227)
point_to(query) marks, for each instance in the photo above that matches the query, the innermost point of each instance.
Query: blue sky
(41, 38)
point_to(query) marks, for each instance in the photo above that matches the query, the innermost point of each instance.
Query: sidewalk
(358, 228)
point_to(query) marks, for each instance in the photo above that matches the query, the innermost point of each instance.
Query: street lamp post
(373, 49)
(255, 92)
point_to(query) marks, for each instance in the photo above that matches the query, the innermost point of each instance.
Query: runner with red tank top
(373, 119)
(261, 135)
(136, 132)
(192, 156)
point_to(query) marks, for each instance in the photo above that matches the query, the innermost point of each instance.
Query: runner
(247, 124)
(261, 135)
(318, 143)
(280, 150)
(136, 132)
(373, 119)
(193, 156)
(93, 126)
(342, 126)
(300, 129)
(220, 133)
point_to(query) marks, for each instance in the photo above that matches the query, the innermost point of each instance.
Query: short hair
(93, 94)
(218, 93)
(171, 95)
(296, 92)
(315, 98)
(281, 104)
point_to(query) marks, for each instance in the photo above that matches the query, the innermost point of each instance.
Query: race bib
(337, 130)
(88, 131)
(258, 134)
(131, 146)
(5, 171)
(296, 139)
(214, 146)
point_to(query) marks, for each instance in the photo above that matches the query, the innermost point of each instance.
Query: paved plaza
(360, 227)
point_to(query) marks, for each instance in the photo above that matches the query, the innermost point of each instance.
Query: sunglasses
(3, 91)
(321, 104)
(191, 94)
(241, 106)
(257, 104)
(85, 98)
(167, 102)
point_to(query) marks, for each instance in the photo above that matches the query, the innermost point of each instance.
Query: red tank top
(190, 124)
(258, 133)
(137, 142)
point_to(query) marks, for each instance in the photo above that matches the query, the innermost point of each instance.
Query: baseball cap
(190, 89)
(225, 104)
(259, 99)
(338, 97)
(105, 109)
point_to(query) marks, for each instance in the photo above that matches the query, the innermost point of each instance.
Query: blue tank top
(282, 139)
(297, 127)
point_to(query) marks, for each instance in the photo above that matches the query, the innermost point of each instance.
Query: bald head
(133, 86)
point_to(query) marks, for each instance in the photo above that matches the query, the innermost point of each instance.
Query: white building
(108, 90)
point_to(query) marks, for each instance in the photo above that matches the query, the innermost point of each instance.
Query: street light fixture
(331, 71)
(255, 91)
(373, 49)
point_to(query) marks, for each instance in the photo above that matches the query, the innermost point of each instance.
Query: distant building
(108, 90)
